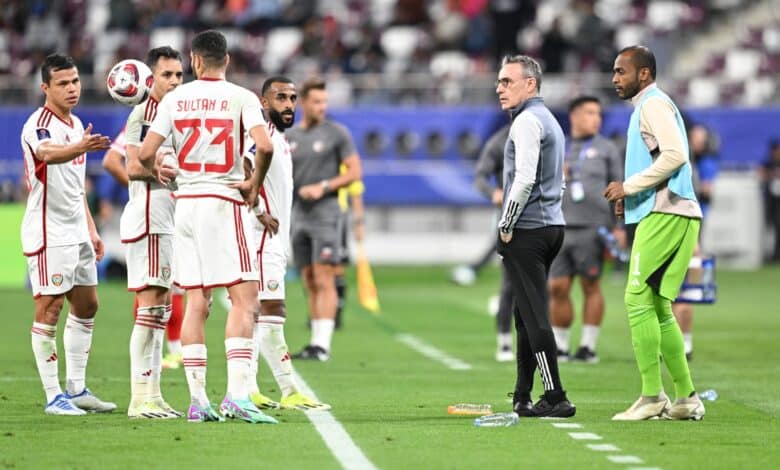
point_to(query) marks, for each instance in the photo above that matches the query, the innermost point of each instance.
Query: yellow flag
(365, 281)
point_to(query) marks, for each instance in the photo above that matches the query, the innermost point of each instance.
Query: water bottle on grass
(498, 420)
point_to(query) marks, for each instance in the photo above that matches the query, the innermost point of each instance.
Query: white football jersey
(277, 190)
(207, 120)
(150, 207)
(55, 214)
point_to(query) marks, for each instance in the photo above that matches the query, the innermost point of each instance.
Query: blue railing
(424, 156)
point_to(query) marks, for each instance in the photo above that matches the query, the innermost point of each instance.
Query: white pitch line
(624, 459)
(645, 468)
(585, 436)
(333, 433)
(604, 447)
(432, 352)
(567, 425)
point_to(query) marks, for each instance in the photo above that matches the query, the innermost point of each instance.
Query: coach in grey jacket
(531, 230)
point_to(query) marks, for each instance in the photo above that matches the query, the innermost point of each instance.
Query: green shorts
(662, 249)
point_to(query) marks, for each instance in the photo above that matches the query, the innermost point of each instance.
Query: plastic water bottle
(498, 420)
(709, 395)
(612, 245)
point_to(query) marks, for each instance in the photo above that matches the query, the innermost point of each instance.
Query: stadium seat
(453, 63)
(280, 45)
(703, 91)
(758, 91)
(630, 34)
(771, 39)
(665, 16)
(172, 36)
(741, 64)
(613, 12)
(399, 42)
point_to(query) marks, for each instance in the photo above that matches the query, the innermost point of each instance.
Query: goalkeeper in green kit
(658, 196)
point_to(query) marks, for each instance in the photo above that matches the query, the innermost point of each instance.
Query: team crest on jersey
(326, 253)
(272, 285)
(43, 133)
(56, 279)
(318, 146)
(166, 273)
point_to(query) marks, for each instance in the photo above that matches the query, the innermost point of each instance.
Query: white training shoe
(505, 354)
(89, 402)
(690, 408)
(62, 406)
(148, 410)
(644, 408)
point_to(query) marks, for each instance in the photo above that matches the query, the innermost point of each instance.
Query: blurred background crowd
(414, 51)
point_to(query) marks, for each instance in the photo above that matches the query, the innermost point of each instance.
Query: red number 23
(224, 138)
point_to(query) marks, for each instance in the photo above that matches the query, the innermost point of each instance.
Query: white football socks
(504, 340)
(77, 340)
(561, 338)
(688, 339)
(239, 367)
(44, 346)
(158, 338)
(195, 359)
(141, 353)
(322, 332)
(590, 336)
(269, 338)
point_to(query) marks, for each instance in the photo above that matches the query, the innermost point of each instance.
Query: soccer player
(592, 161)
(207, 120)
(319, 146)
(114, 164)
(278, 98)
(59, 237)
(489, 181)
(531, 230)
(350, 200)
(146, 228)
(658, 195)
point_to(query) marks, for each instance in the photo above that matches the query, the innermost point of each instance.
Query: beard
(632, 89)
(278, 119)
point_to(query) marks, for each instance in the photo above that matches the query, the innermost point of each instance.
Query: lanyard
(581, 157)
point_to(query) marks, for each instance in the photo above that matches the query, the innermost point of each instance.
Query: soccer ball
(463, 275)
(130, 82)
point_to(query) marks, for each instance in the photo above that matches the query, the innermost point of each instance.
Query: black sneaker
(563, 356)
(523, 408)
(311, 352)
(562, 409)
(584, 354)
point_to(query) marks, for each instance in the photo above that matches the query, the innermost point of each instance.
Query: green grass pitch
(392, 401)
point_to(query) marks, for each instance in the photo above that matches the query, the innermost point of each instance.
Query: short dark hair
(314, 83)
(271, 80)
(155, 54)
(211, 46)
(584, 99)
(53, 63)
(642, 57)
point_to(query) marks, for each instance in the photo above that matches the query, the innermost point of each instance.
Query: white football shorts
(56, 270)
(150, 262)
(212, 245)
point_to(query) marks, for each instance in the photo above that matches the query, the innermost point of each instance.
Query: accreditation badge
(577, 191)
